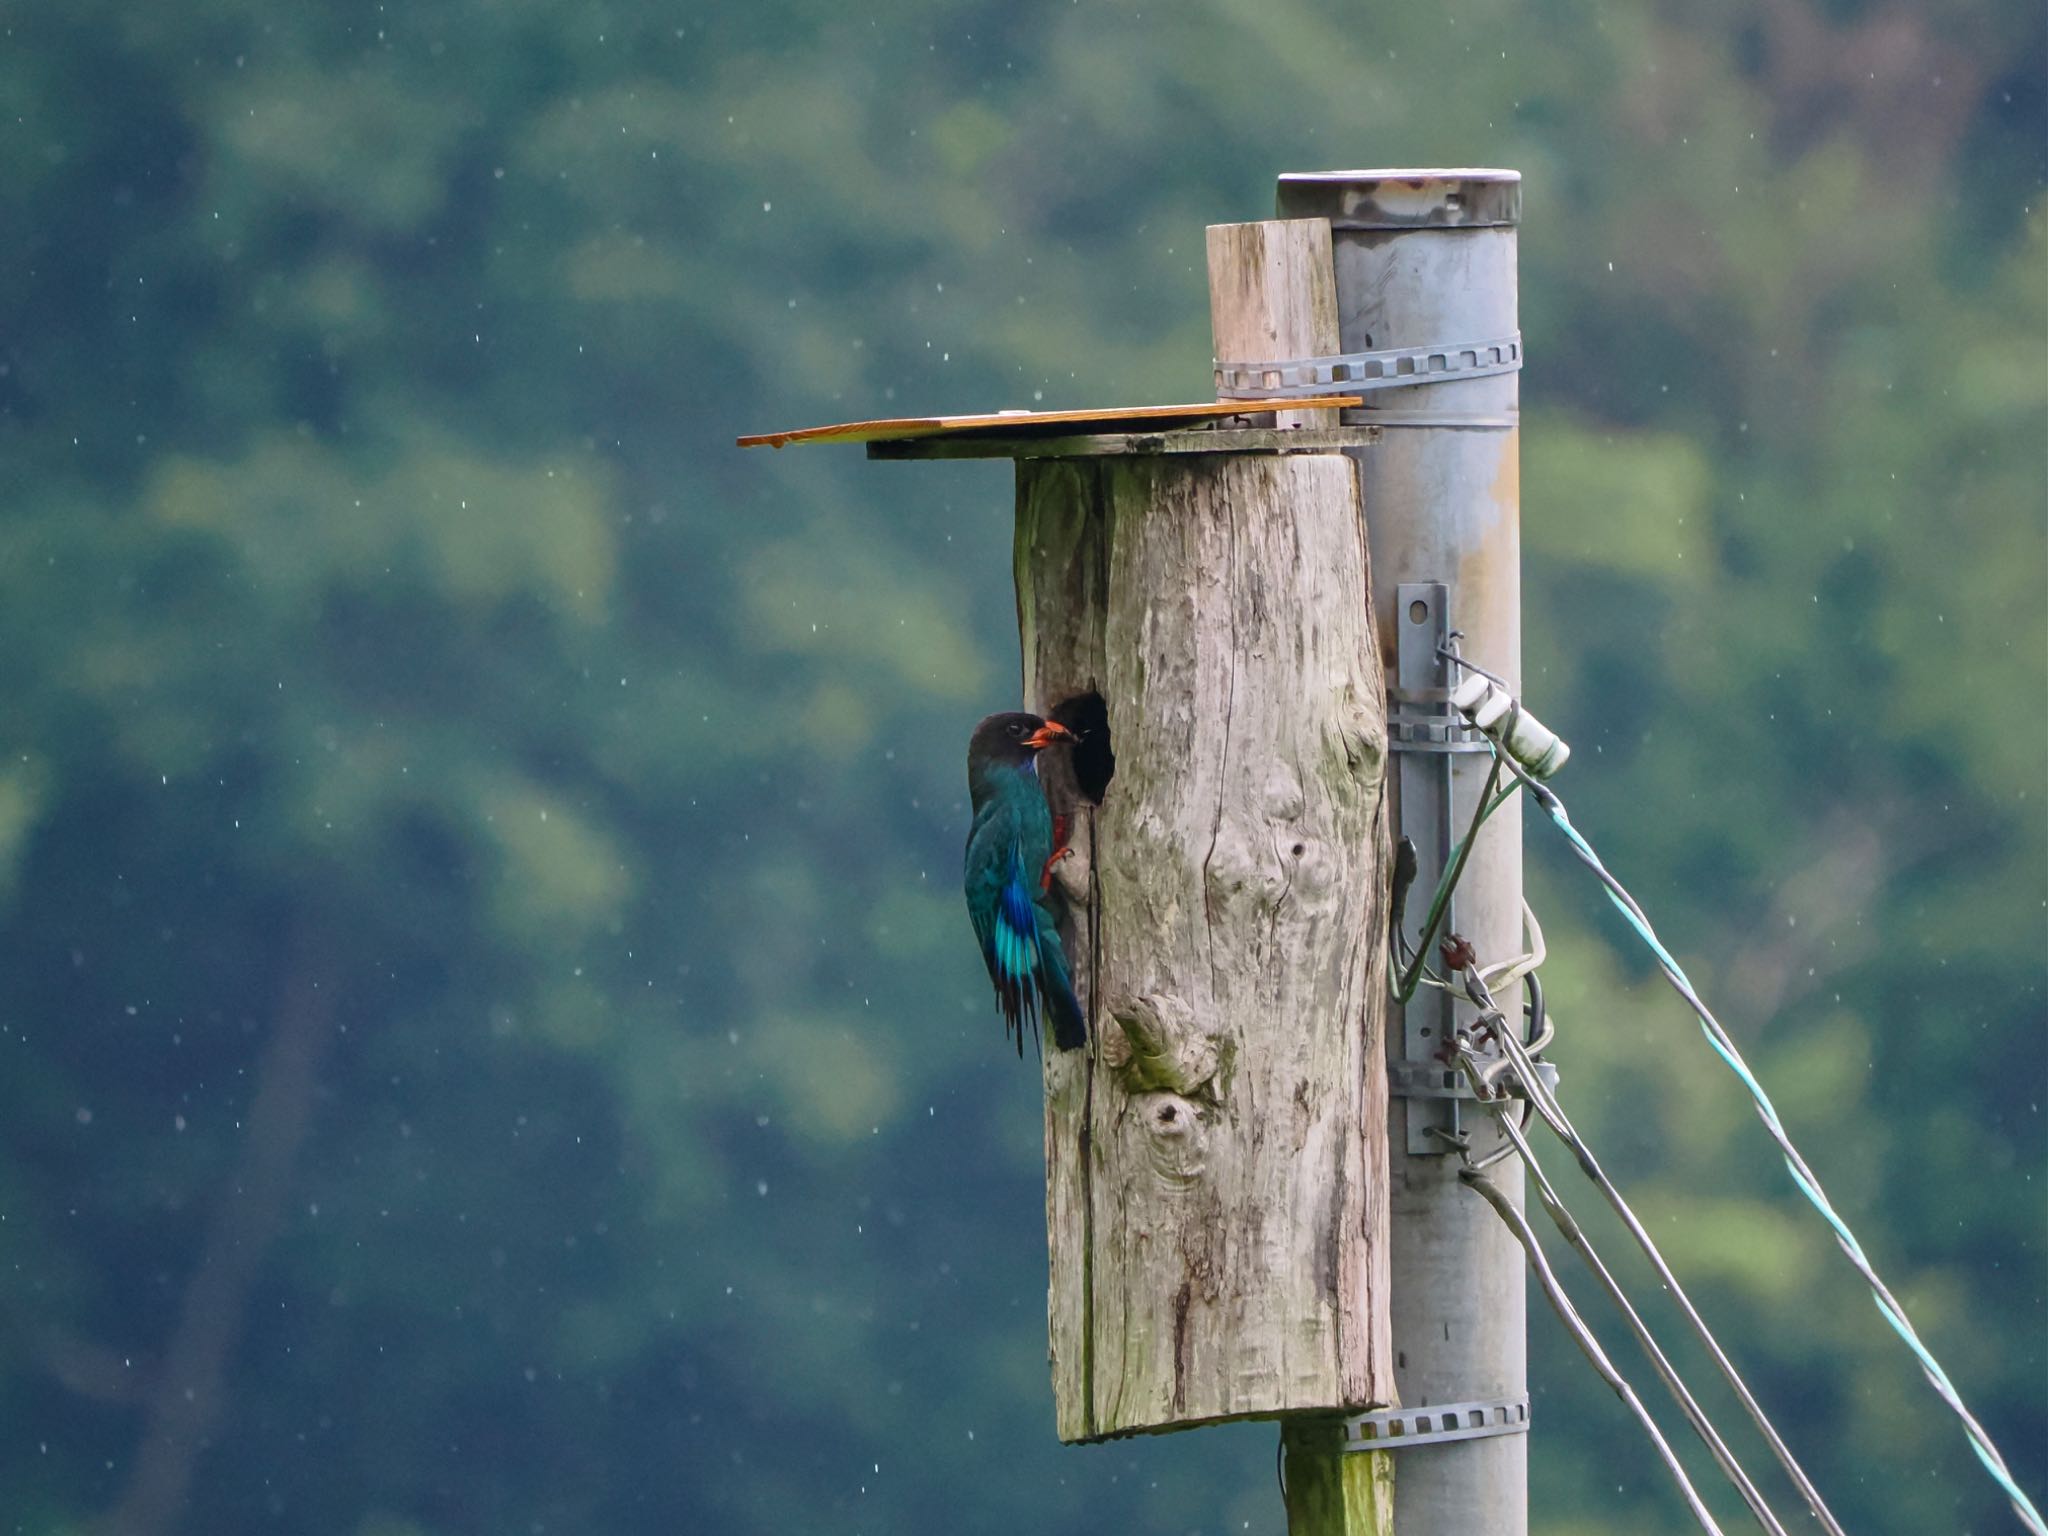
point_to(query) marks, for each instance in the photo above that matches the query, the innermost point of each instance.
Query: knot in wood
(1284, 798)
(1361, 731)
(1157, 1047)
(1176, 1135)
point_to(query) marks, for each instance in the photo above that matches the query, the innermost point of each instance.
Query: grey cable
(1666, 1371)
(1504, 1208)
(1803, 1176)
(1552, 1112)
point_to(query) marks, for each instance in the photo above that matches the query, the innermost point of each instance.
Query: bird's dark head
(1014, 739)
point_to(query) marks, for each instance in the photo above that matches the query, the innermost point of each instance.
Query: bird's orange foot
(1045, 875)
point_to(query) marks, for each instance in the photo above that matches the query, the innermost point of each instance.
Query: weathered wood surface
(1062, 569)
(1332, 1491)
(1216, 1161)
(1273, 298)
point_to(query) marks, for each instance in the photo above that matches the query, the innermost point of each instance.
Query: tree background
(490, 1040)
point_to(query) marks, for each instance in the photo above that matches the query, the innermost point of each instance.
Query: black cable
(1397, 908)
(1539, 1033)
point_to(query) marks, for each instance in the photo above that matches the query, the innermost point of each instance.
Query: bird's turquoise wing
(1006, 854)
(1006, 922)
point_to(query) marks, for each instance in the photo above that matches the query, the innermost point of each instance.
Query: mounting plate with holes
(1427, 1080)
(1393, 1429)
(1420, 693)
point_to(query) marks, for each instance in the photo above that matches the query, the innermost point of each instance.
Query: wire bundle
(1517, 1061)
(1802, 1175)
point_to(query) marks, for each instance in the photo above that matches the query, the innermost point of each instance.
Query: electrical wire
(1503, 973)
(1542, 1028)
(1802, 1176)
(1487, 803)
(1546, 1105)
(1575, 1235)
(1522, 969)
(1583, 1337)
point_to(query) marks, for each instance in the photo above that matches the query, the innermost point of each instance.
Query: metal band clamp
(1393, 1429)
(1434, 1080)
(1427, 1080)
(1359, 372)
(1432, 733)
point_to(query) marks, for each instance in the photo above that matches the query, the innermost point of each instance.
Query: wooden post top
(1273, 298)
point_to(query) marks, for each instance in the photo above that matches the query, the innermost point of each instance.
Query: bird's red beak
(1047, 735)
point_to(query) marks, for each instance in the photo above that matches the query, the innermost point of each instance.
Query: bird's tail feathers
(1069, 1027)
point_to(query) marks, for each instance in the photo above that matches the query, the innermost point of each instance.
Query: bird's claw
(1045, 875)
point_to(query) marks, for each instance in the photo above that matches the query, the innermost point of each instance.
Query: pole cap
(1464, 198)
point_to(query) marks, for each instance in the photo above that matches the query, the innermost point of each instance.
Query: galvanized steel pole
(1426, 259)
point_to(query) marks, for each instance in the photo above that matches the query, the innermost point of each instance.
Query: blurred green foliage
(404, 672)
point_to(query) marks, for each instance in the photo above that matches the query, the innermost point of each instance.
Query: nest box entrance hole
(1087, 717)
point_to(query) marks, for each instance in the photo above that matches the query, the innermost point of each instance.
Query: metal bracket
(1472, 421)
(1422, 765)
(1362, 372)
(1427, 1080)
(1434, 1080)
(1393, 1429)
(1431, 733)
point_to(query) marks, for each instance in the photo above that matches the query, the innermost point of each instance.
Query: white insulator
(1492, 709)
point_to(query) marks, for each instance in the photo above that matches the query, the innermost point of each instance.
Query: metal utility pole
(1426, 289)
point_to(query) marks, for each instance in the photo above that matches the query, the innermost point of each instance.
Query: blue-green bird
(1009, 863)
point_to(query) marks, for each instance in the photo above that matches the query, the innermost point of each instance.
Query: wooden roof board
(1058, 443)
(1023, 423)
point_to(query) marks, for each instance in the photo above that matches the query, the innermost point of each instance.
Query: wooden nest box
(1194, 599)
(1216, 1163)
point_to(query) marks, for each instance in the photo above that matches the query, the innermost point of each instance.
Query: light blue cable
(1803, 1176)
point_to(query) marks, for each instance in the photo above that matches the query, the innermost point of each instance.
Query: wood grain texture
(1273, 298)
(1062, 543)
(1216, 1160)
(1332, 1491)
